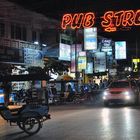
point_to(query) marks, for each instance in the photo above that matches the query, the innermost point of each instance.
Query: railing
(14, 43)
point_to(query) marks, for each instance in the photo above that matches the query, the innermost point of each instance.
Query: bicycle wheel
(32, 125)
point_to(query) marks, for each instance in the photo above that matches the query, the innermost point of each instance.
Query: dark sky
(56, 8)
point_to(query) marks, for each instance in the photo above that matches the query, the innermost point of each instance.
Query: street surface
(82, 122)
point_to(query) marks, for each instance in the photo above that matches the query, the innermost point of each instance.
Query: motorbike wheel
(76, 100)
(20, 124)
(32, 125)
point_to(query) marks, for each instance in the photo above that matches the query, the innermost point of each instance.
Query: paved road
(83, 122)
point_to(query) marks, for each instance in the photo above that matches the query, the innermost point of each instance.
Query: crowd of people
(92, 85)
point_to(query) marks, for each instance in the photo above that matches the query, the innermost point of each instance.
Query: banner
(74, 56)
(99, 62)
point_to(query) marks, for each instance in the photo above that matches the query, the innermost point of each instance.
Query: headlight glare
(105, 93)
(126, 93)
(127, 97)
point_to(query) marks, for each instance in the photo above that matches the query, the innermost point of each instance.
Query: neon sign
(110, 20)
(78, 20)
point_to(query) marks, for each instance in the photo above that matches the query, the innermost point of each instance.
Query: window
(2, 29)
(34, 36)
(24, 34)
(18, 32)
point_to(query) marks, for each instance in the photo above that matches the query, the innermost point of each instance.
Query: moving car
(121, 92)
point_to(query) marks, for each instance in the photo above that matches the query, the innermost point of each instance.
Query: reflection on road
(121, 122)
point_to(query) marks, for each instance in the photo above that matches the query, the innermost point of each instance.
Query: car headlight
(126, 93)
(127, 97)
(105, 93)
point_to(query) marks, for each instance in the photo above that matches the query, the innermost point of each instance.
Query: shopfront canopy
(26, 77)
(64, 77)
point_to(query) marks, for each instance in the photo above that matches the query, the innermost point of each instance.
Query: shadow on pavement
(19, 136)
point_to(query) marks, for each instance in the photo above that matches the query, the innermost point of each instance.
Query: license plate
(116, 97)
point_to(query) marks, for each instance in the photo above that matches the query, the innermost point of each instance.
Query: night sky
(57, 8)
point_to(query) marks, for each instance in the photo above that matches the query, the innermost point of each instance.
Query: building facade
(24, 34)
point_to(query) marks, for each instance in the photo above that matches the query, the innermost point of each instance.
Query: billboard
(74, 56)
(106, 46)
(33, 57)
(99, 62)
(120, 50)
(64, 52)
(82, 61)
(89, 69)
(1, 96)
(90, 38)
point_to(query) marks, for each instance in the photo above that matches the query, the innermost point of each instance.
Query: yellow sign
(135, 64)
(82, 63)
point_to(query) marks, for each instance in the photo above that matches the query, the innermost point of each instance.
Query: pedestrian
(71, 92)
(101, 85)
(7, 90)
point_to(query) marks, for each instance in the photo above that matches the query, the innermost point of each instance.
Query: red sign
(78, 20)
(110, 20)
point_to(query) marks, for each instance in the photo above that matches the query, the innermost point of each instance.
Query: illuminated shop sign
(89, 69)
(82, 61)
(110, 21)
(78, 20)
(99, 62)
(120, 50)
(90, 38)
(64, 52)
(106, 46)
(135, 63)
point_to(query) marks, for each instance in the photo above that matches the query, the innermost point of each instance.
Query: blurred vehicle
(121, 92)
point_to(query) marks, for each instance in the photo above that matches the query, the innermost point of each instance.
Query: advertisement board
(78, 48)
(1, 96)
(106, 46)
(135, 64)
(82, 64)
(99, 62)
(33, 57)
(89, 69)
(120, 50)
(82, 61)
(90, 38)
(64, 52)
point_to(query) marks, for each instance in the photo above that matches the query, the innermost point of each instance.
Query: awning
(26, 77)
(64, 77)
